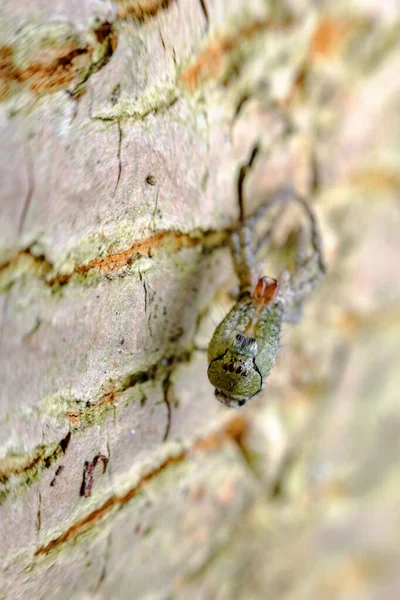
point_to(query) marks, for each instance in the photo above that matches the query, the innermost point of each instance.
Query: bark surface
(123, 127)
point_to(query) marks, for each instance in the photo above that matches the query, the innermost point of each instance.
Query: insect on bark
(243, 349)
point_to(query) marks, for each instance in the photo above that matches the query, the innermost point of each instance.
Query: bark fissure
(24, 470)
(139, 115)
(167, 386)
(107, 39)
(242, 175)
(153, 218)
(59, 66)
(227, 434)
(31, 185)
(105, 564)
(39, 512)
(204, 10)
(115, 263)
(118, 158)
(80, 418)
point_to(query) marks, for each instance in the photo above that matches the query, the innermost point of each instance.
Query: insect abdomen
(267, 334)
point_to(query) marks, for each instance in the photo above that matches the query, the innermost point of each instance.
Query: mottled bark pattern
(123, 127)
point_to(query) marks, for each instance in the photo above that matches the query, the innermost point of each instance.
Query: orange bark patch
(329, 37)
(377, 180)
(55, 68)
(140, 10)
(212, 62)
(8, 72)
(14, 259)
(16, 464)
(51, 69)
(75, 416)
(171, 240)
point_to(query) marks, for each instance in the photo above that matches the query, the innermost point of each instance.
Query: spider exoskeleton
(243, 349)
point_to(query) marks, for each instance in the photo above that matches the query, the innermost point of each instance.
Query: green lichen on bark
(119, 189)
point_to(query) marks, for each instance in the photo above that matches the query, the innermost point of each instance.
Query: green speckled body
(243, 350)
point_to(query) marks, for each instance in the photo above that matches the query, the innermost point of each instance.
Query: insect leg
(316, 242)
(243, 250)
(243, 256)
(282, 199)
(310, 266)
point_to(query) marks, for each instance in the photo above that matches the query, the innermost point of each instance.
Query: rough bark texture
(123, 126)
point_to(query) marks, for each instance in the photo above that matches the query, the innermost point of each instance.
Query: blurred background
(123, 128)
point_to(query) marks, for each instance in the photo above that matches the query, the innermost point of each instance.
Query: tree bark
(123, 128)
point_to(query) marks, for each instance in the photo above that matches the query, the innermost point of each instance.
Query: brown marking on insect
(87, 481)
(265, 291)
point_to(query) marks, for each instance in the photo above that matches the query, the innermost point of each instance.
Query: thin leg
(242, 176)
(264, 241)
(243, 258)
(241, 244)
(283, 196)
(244, 252)
(315, 234)
(310, 268)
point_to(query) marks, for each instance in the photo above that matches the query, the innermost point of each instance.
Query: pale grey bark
(123, 126)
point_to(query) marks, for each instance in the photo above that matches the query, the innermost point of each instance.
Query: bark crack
(227, 434)
(60, 64)
(167, 387)
(29, 467)
(118, 157)
(39, 512)
(82, 415)
(80, 418)
(116, 263)
(204, 10)
(31, 186)
(242, 175)
(139, 115)
(148, 297)
(153, 218)
(105, 564)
